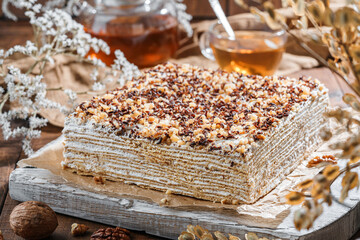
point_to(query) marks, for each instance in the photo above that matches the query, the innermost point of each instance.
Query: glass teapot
(146, 31)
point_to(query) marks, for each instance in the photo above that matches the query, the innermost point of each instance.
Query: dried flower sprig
(199, 233)
(338, 29)
(55, 33)
(183, 17)
(314, 192)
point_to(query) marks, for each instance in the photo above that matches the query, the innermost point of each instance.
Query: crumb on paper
(164, 201)
(320, 161)
(99, 180)
(226, 201)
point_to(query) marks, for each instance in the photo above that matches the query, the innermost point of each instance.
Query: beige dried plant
(335, 28)
(199, 233)
(312, 193)
(338, 29)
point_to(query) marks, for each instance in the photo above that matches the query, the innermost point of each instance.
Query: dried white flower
(94, 75)
(182, 16)
(98, 86)
(62, 35)
(76, 7)
(36, 122)
(127, 69)
(72, 97)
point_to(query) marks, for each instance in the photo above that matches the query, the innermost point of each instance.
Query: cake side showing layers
(295, 139)
(207, 134)
(200, 174)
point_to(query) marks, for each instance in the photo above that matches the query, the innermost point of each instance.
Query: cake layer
(240, 168)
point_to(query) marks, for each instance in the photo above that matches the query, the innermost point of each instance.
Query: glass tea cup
(256, 49)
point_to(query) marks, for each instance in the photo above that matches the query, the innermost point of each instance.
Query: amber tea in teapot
(144, 31)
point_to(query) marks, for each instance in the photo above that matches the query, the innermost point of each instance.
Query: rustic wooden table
(17, 33)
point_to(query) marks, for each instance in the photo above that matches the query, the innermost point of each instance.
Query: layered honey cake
(208, 134)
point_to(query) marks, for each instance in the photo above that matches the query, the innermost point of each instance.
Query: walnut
(111, 234)
(78, 229)
(33, 220)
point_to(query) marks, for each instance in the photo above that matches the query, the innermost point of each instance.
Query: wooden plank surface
(140, 214)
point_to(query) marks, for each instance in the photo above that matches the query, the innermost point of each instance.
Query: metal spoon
(221, 16)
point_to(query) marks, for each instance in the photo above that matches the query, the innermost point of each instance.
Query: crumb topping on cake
(200, 108)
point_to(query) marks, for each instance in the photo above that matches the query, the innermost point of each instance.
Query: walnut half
(111, 233)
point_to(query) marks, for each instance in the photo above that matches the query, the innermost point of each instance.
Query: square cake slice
(214, 135)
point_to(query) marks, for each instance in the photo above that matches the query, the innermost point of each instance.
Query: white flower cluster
(55, 33)
(28, 5)
(125, 69)
(183, 17)
(58, 24)
(29, 93)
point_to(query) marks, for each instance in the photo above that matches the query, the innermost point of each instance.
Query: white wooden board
(337, 222)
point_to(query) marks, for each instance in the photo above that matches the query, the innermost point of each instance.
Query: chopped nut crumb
(99, 180)
(78, 229)
(164, 201)
(235, 202)
(226, 201)
(168, 192)
(321, 161)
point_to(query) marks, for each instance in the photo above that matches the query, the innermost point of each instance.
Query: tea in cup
(256, 49)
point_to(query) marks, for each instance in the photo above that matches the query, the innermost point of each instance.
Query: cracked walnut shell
(33, 220)
(111, 234)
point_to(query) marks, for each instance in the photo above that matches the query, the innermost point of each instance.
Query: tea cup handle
(204, 44)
